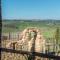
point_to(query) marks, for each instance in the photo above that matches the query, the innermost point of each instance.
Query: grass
(47, 27)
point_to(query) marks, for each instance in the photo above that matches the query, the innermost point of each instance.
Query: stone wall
(30, 38)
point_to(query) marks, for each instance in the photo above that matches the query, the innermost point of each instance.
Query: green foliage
(57, 35)
(47, 26)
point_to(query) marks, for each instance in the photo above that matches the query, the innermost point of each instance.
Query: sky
(30, 9)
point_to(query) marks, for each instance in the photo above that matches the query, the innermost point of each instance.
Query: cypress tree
(57, 37)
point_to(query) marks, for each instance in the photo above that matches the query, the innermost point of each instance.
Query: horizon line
(30, 19)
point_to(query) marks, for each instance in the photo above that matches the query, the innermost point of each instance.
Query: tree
(57, 37)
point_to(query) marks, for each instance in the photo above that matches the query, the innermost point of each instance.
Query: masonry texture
(29, 38)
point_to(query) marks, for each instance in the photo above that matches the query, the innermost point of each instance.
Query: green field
(48, 27)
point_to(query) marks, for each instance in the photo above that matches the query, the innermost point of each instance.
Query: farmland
(48, 27)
